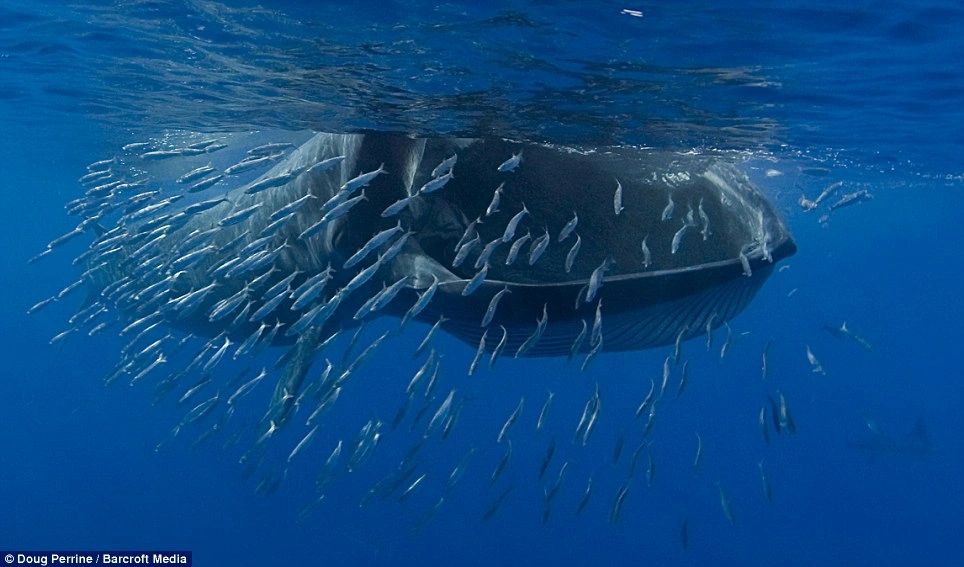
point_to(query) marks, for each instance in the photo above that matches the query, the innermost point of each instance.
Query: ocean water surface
(799, 96)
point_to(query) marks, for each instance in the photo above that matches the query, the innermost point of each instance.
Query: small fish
(815, 365)
(361, 180)
(240, 216)
(436, 184)
(249, 164)
(268, 148)
(783, 417)
(476, 281)
(678, 238)
(467, 235)
(618, 198)
(725, 504)
(745, 263)
(373, 243)
(196, 173)
(497, 351)
(538, 248)
(726, 343)
(577, 342)
(762, 421)
(547, 458)
(398, 206)
(441, 413)
(586, 494)
(428, 336)
(616, 510)
(596, 279)
(303, 443)
(497, 504)
(699, 451)
(510, 421)
(513, 224)
(571, 255)
(464, 250)
(596, 336)
(852, 199)
(494, 203)
(568, 228)
(205, 183)
(273, 181)
(705, 231)
(478, 353)
(486, 253)
(667, 213)
(647, 255)
(325, 165)
(446, 165)
(493, 305)
(684, 374)
(536, 335)
(503, 462)
(422, 302)
(516, 248)
(649, 399)
(511, 164)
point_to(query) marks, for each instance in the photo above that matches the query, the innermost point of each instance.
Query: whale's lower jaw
(638, 313)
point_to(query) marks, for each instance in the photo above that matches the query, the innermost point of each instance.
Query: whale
(707, 280)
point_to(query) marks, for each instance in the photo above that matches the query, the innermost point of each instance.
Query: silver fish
(513, 224)
(325, 165)
(478, 353)
(446, 165)
(373, 243)
(573, 252)
(577, 342)
(618, 198)
(496, 198)
(487, 252)
(423, 300)
(361, 180)
(240, 216)
(538, 248)
(273, 181)
(249, 164)
(436, 184)
(512, 163)
(497, 351)
(476, 281)
(398, 206)
(196, 173)
(596, 279)
(513, 417)
(667, 213)
(568, 228)
(536, 335)
(516, 248)
(493, 305)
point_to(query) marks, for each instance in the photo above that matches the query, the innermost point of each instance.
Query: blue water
(872, 92)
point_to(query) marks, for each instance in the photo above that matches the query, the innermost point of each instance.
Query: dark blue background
(872, 92)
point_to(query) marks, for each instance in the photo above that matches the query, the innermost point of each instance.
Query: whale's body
(703, 284)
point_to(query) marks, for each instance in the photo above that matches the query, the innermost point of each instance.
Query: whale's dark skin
(679, 294)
